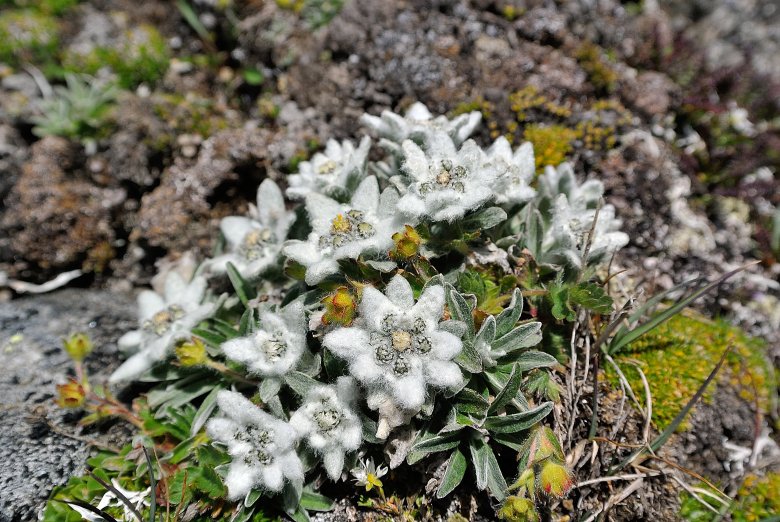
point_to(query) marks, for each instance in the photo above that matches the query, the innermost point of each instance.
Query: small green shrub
(27, 36)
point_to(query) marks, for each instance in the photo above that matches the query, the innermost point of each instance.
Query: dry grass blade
(88, 507)
(123, 499)
(152, 485)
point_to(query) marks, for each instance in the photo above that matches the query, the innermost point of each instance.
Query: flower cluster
(379, 325)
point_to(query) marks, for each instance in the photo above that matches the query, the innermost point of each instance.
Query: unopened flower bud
(71, 394)
(545, 445)
(78, 346)
(407, 243)
(555, 479)
(518, 509)
(192, 352)
(340, 307)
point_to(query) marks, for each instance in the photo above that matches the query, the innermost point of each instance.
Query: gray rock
(34, 457)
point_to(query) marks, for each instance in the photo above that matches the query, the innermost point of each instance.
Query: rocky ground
(675, 106)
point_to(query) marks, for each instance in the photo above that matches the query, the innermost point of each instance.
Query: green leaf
(312, 501)
(242, 288)
(509, 391)
(470, 402)
(460, 310)
(453, 475)
(533, 359)
(432, 443)
(591, 297)
(205, 410)
(245, 325)
(508, 318)
(269, 387)
(300, 382)
(253, 76)
(212, 338)
(252, 497)
(471, 282)
(180, 392)
(487, 333)
(208, 482)
(469, 359)
(485, 218)
(518, 421)
(561, 310)
(524, 336)
(488, 473)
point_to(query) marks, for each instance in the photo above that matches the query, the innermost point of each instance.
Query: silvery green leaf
(524, 336)
(518, 421)
(488, 472)
(269, 388)
(508, 317)
(485, 218)
(453, 474)
(382, 266)
(460, 310)
(300, 383)
(509, 391)
(534, 359)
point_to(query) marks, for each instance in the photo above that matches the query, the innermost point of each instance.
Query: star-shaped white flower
(419, 125)
(335, 173)
(254, 242)
(261, 447)
(363, 227)
(397, 350)
(515, 172)
(445, 183)
(274, 349)
(164, 319)
(328, 423)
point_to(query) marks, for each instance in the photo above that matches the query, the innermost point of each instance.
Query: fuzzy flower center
(327, 419)
(399, 340)
(255, 244)
(161, 322)
(260, 441)
(273, 348)
(328, 167)
(347, 227)
(446, 176)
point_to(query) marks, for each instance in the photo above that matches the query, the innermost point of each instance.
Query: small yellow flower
(340, 307)
(555, 479)
(368, 475)
(71, 394)
(78, 346)
(518, 509)
(340, 224)
(407, 243)
(192, 352)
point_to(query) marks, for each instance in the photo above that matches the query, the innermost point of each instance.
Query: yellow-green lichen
(677, 356)
(27, 36)
(551, 143)
(528, 99)
(758, 499)
(141, 56)
(600, 73)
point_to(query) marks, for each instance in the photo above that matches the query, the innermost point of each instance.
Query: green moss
(27, 36)
(551, 143)
(141, 56)
(54, 7)
(757, 499)
(188, 115)
(678, 355)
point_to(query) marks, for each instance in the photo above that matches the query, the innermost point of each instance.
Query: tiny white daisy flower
(396, 348)
(368, 475)
(336, 172)
(515, 172)
(274, 349)
(365, 226)
(328, 423)
(418, 125)
(445, 183)
(261, 447)
(254, 242)
(164, 319)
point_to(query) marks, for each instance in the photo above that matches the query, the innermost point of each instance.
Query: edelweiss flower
(139, 499)
(397, 349)
(254, 243)
(262, 447)
(419, 125)
(515, 172)
(572, 208)
(328, 422)
(368, 475)
(277, 347)
(365, 226)
(335, 173)
(164, 320)
(445, 183)
(570, 228)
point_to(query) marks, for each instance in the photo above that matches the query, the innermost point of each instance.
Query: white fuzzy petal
(334, 463)
(444, 345)
(443, 374)
(399, 291)
(149, 303)
(431, 302)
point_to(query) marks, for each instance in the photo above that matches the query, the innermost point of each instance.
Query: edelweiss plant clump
(377, 330)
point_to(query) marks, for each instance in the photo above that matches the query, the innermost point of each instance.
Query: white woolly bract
(248, 431)
(328, 423)
(253, 243)
(333, 173)
(276, 347)
(515, 171)
(337, 235)
(444, 183)
(418, 124)
(396, 347)
(163, 319)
